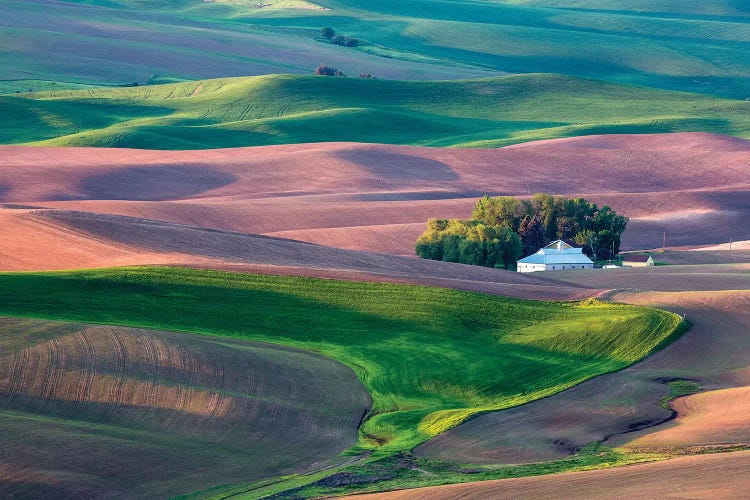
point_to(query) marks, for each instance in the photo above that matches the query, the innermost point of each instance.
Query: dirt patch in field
(704, 476)
(713, 418)
(740, 254)
(716, 352)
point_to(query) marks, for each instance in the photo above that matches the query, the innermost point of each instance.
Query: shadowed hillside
(102, 411)
(377, 197)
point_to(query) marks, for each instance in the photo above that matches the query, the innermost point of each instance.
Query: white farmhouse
(558, 255)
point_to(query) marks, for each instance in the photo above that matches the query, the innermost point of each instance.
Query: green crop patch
(430, 357)
(281, 109)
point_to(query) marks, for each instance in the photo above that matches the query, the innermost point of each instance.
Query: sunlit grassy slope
(293, 109)
(429, 357)
(694, 46)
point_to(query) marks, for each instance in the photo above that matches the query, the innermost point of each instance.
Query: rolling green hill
(429, 357)
(293, 109)
(693, 46)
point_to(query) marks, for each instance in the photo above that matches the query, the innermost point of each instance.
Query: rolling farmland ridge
(269, 249)
(267, 110)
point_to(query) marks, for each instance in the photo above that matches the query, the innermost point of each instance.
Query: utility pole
(664, 243)
(730, 244)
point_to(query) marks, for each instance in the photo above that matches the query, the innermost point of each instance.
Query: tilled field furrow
(120, 353)
(87, 372)
(107, 403)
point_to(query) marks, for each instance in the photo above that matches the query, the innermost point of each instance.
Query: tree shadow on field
(387, 166)
(154, 183)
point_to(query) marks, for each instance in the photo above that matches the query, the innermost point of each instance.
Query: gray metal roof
(557, 252)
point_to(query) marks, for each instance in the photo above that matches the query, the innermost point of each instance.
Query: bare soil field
(677, 278)
(377, 197)
(717, 358)
(102, 411)
(702, 476)
(709, 255)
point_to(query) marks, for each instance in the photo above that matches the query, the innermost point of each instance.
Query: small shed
(637, 261)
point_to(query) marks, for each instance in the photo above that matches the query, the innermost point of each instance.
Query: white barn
(556, 256)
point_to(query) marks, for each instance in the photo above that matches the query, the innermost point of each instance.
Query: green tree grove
(504, 229)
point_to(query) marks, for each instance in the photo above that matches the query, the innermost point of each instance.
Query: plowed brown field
(377, 197)
(106, 411)
(94, 240)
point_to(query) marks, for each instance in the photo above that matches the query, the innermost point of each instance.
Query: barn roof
(557, 252)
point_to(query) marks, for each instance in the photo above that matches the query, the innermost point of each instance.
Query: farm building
(558, 255)
(637, 261)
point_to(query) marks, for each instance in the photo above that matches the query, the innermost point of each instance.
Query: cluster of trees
(504, 229)
(324, 70)
(469, 242)
(344, 40)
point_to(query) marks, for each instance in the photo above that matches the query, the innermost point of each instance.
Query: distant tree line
(469, 242)
(325, 70)
(504, 229)
(329, 34)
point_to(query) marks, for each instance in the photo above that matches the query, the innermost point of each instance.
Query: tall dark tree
(546, 206)
(451, 248)
(511, 246)
(532, 233)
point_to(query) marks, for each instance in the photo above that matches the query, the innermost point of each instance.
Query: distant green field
(292, 109)
(26, 86)
(694, 46)
(429, 357)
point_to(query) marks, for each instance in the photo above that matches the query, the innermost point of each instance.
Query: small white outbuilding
(556, 256)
